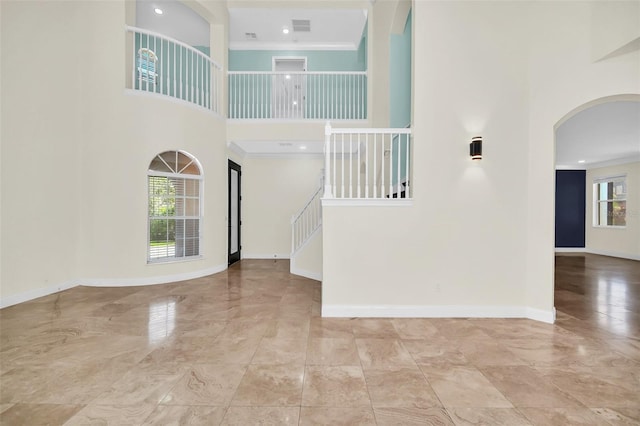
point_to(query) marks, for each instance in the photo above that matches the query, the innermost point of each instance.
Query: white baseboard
(271, 256)
(613, 254)
(571, 250)
(107, 282)
(444, 311)
(36, 293)
(163, 279)
(596, 251)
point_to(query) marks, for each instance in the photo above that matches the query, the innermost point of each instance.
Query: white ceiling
(277, 148)
(331, 29)
(600, 135)
(177, 21)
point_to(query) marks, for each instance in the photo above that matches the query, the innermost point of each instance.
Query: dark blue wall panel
(570, 208)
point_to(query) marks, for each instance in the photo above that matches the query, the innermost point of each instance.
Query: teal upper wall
(400, 77)
(400, 94)
(317, 60)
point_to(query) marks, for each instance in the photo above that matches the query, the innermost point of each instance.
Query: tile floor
(247, 346)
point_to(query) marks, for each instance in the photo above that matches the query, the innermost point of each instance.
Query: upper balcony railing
(298, 95)
(162, 65)
(367, 164)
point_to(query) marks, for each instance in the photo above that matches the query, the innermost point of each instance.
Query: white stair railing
(367, 163)
(298, 95)
(169, 67)
(307, 221)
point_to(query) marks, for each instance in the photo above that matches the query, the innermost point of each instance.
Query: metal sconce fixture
(475, 148)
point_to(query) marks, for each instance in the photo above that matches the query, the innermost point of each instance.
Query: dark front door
(234, 212)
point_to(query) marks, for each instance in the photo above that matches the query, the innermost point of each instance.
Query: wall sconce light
(475, 148)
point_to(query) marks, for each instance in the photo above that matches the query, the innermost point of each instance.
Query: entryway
(233, 217)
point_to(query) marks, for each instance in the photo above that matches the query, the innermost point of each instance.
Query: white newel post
(327, 161)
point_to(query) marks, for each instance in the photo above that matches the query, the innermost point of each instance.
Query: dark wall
(570, 208)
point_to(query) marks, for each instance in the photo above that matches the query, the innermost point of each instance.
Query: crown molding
(257, 45)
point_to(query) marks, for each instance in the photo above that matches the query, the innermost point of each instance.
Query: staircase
(306, 237)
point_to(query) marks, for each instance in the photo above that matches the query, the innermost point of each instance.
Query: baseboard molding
(107, 282)
(36, 293)
(613, 254)
(599, 252)
(270, 256)
(571, 250)
(163, 279)
(444, 311)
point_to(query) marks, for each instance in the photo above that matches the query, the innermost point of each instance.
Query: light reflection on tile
(248, 344)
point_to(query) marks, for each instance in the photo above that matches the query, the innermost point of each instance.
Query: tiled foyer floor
(247, 346)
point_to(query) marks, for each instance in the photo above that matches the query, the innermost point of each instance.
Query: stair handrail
(296, 242)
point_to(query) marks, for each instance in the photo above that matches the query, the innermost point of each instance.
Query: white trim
(367, 202)
(618, 161)
(144, 93)
(172, 40)
(286, 155)
(274, 256)
(571, 250)
(609, 253)
(36, 293)
(436, 311)
(289, 120)
(235, 148)
(253, 45)
(107, 282)
(163, 279)
(376, 131)
(307, 241)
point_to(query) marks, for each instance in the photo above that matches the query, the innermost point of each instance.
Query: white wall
(273, 190)
(76, 147)
(40, 145)
(479, 239)
(623, 242)
(562, 78)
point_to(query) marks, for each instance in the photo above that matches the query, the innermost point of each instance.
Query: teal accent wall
(362, 47)
(400, 94)
(324, 97)
(317, 60)
(400, 77)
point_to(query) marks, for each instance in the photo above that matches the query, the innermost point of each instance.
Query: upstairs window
(146, 64)
(610, 202)
(175, 206)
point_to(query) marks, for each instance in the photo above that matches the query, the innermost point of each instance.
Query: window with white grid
(175, 206)
(610, 202)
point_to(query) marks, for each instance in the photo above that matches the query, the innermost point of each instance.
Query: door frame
(275, 80)
(234, 257)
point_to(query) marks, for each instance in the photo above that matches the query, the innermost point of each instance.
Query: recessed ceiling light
(285, 30)
(158, 11)
(288, 77)
(295, 102)
(303, 147)
(581, 161)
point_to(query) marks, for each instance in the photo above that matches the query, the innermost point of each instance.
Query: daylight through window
(175, 188)
(610, 201)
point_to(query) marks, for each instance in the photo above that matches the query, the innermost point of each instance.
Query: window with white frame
(610, 201)
(175, 206)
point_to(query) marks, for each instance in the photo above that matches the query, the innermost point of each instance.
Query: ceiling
(330, 29)
(601, 135)
(177, 21)
(333, 29)
(255, 148)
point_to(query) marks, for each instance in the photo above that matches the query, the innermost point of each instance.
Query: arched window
(175, 206)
